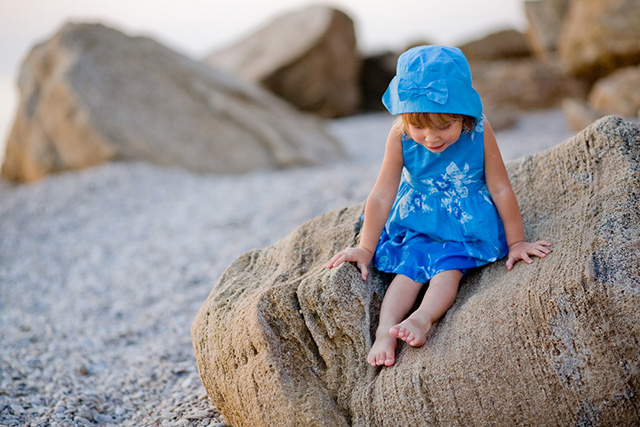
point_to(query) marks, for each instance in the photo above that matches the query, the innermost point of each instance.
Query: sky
(197, 27)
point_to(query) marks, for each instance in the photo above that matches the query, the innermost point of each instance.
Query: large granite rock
(307, 57)
(91, 94)
(599, 36)
(282, 341)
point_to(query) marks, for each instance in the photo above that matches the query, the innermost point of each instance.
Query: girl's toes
(408, 336)
(376, 360)
(394, 331)
(389, 361)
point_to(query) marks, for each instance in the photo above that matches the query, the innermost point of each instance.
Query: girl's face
(436, 139)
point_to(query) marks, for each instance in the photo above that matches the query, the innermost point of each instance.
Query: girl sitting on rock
(442, 203)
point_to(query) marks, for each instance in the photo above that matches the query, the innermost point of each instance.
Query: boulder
(618, 93)
(600, 36)
(545, 19)
(578, 113)
(375, 76)
(282, 341)
(508, 87)
(307, 57)
(92, 94)
(505, 44)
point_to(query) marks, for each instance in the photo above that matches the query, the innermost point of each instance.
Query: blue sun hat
(433, 79)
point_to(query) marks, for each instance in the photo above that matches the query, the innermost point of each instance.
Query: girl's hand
(521, 251)
(361, 256)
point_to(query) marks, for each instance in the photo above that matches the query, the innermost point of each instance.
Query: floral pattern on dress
(443, 217)
(454, 186)
(450, 187)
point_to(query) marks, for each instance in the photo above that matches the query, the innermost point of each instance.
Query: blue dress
(443, 217)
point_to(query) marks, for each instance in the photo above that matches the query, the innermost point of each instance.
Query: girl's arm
(507, 204)
(377, 208)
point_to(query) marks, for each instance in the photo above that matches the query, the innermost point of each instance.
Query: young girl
(442, 203)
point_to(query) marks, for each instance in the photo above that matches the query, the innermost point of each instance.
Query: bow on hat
(435, 91)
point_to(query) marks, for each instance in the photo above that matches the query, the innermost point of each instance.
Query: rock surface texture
(282, 341)
(307, 57)
(91, 94)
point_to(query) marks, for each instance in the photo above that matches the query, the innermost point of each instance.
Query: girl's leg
(439, 296)
(398, 300)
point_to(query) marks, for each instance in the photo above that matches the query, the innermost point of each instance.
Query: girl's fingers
(510, 263)
(334, 262)
(543, 253)
(364, 270)
(543, 245)
(539, 249)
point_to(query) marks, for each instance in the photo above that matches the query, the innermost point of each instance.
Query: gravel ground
(102, 272)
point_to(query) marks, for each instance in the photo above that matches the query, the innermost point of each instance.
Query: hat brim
(462, 99)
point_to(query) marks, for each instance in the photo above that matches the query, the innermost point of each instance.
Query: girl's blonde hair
(431, 120)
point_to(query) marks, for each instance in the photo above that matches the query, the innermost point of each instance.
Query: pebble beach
(103, 270)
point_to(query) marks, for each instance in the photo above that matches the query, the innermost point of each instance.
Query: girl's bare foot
(413, 330)
(383, 350)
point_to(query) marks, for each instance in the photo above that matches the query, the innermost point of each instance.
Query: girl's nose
(431, 137)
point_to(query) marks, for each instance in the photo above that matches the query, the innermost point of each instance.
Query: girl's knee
(448, 276)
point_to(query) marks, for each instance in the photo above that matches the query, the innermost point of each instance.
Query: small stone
(197, 415)
(82, 371)
(103, 419)
(85, 414)
(81, 420)
(17, 409)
